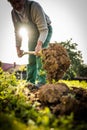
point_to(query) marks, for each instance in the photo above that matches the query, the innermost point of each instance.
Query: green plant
(75, 57)
(17, 111)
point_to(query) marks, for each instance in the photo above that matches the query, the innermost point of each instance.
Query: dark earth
(62, 100)
(55, 60)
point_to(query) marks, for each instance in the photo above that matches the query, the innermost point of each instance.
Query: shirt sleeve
(39, 19)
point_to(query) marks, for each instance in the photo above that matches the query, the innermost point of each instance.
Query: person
(31, 15)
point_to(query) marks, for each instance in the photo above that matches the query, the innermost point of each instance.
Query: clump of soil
(52, 93)
(55, 61)
(62, 101)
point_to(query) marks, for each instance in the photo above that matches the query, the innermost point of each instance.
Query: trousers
(35, 72)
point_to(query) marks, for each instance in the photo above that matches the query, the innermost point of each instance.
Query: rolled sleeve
(40, 21)
(43, 36)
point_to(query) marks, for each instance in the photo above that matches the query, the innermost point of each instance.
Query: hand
(19, 52)
(38, 47)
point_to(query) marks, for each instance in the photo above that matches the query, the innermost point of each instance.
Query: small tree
(75, 57)
(83, 71)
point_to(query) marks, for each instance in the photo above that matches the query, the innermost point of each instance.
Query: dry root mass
(55, 61)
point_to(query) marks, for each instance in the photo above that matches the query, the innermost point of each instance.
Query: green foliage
(17, 111)
(7, 79)
(8, 122)
(75, 57)
(83, 71)
(76, 83)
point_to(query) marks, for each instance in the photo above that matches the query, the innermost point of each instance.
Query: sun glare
(23, 32)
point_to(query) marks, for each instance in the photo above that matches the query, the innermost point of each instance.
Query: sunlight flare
(23, 32)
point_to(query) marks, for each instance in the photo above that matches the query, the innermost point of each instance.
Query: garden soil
(55, 61)
(62, 100)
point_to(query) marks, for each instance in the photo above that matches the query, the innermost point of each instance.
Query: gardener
(31, 15)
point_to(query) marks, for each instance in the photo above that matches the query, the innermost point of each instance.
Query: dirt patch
(62, 101)
(52, 93)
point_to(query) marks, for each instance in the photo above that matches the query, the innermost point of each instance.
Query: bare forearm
(43, 35)
(38, 46)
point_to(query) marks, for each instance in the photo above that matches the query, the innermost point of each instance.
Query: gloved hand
(19, 52)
